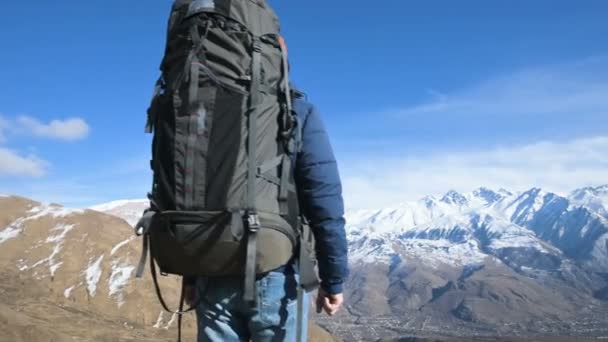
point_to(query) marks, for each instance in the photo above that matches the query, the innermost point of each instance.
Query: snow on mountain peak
(129, 210)
(455, 198)
(596, 191)
(15, 228)
(476, 225)
(594, 198)
(491, 196)
(497, 220)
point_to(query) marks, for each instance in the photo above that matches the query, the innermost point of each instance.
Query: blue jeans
(223, 316)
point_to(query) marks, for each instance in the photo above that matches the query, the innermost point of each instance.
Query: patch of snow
(93, 274)
(599, 254)
(170, 323)
(435, 253)
(117, 204)
(22, 265)
(510, 241)
(594, 199)
(370, 250)
(118, 279)
(129, 210)
(447, 231)
(50, 260)
(15, 228)
(159, 321)
(53, 210)
(58, 240)
(54, 267)
(10, 233)
(118, 246)
(67, 292)
(63, 230)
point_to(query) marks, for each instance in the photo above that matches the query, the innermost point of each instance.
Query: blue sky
(419, 96)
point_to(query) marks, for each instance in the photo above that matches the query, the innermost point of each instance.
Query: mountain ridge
(491, 262)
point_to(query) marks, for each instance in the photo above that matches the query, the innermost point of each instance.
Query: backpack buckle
(257, 45)
(253, 222)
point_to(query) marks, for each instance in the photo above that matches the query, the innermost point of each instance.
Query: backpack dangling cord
(182, 297)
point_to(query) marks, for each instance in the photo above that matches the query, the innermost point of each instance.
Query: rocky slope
(69, 275)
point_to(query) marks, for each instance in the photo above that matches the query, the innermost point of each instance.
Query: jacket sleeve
(320, 196)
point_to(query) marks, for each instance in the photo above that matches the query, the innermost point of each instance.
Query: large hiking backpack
(223, 201)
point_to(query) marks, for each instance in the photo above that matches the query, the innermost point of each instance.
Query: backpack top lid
(246, 12)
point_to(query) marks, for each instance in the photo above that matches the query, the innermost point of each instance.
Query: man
(223, 316)
(223, 202)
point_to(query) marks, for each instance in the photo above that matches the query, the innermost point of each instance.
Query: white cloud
(69, 129)
(555, 166)
(12, 164)
(3, 128)
(574, 88)
(534, 104)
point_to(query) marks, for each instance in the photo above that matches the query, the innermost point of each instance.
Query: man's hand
(330, 303)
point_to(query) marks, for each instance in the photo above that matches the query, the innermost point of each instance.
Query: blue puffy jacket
(320, 196)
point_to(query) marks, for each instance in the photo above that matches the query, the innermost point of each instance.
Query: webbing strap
(249, 292)
(308, 276)
(253, 222)
(306, 264)
(287, 123)
(253, 114)
(277, 181)
(284, 185)
(195, 114)
(142, 228)
(270, 164)
(267, 168)
(189, 162)
(300, 316)
(141, 266)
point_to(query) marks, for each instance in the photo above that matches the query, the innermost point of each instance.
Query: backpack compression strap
(253, 221)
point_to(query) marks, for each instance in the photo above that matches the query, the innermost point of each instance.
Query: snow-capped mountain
(485, 221)
(128, 210)
(595, 199)
(465, 229)
(486, 259)
(490, 258)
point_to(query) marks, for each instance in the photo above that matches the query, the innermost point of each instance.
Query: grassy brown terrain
(48, 294)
